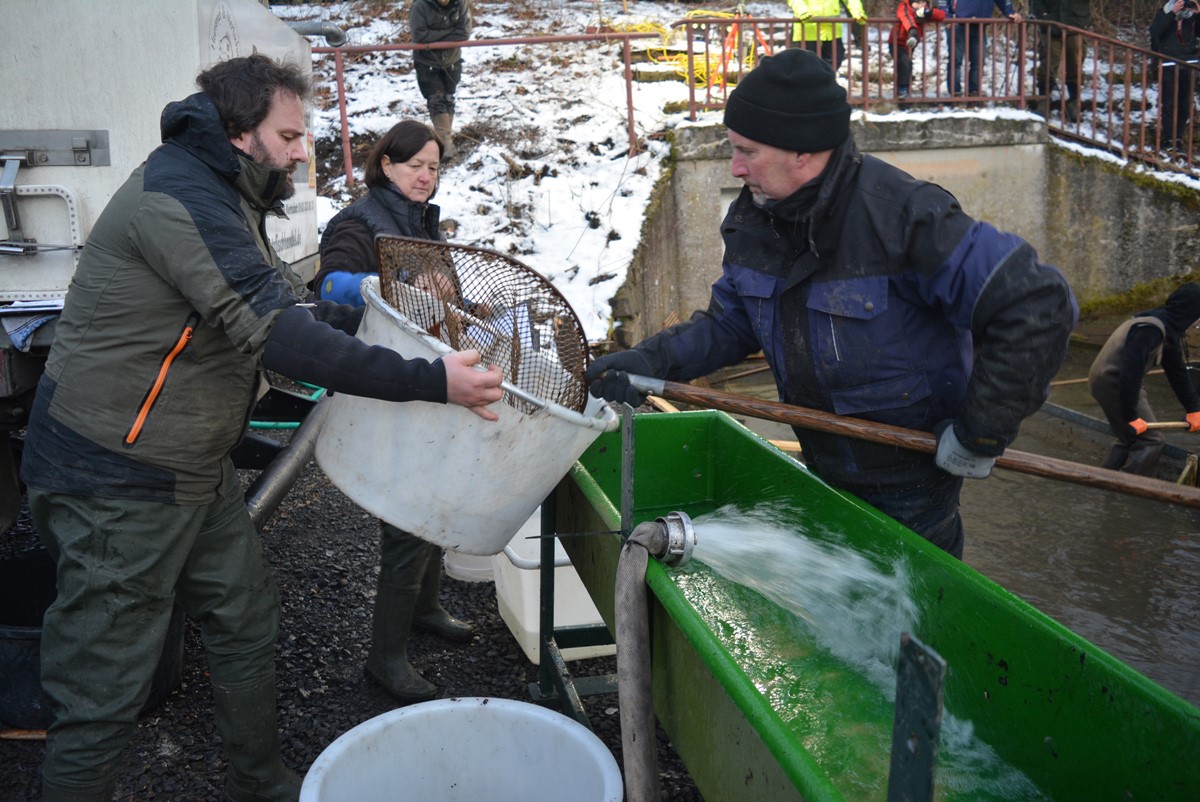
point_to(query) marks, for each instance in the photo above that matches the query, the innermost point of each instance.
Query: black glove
(911, 44)
(608, 377)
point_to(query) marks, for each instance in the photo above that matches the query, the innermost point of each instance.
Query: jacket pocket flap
(902, 391)
(752, 284)
(858, 298)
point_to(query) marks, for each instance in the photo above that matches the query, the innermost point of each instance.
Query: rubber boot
(248, 722)
(1073, 103)
(443, 123)
(404, 559)
(430, 615)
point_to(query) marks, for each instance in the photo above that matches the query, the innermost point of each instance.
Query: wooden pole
(1083, 380)
(1013, 460)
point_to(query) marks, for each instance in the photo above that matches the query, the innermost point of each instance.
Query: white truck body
(85, 83)
(83, 66)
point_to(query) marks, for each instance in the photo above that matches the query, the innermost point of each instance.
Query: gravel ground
(324, 551)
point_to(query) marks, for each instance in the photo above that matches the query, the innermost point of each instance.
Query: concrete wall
(1105, 227)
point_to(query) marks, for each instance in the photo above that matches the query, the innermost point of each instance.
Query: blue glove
(608, 377)
(953, 457)
(342, 287)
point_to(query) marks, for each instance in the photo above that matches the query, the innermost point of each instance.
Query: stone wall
(1106, 227)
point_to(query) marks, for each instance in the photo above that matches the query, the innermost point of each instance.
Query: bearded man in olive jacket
(178, 304)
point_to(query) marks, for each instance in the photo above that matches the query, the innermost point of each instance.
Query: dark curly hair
(244, 88)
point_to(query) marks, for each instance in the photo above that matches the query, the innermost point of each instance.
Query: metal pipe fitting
(681, 538)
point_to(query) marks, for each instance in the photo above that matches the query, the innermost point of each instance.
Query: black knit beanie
(791, 100)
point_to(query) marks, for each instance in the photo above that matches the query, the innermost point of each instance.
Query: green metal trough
(1065, 719)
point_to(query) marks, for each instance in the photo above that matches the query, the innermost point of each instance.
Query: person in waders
(1156, 337)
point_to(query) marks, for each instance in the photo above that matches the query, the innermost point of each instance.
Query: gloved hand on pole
(953, 457)
(608, 377)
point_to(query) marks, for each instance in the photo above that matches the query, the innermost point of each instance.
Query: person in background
(178, 305)
(967, 42)
(1053, 45)
(906, 34)
(439, 71)
(824, 38)
(871, 294)
(1173, 34)
(402, 177)
(1150, 338)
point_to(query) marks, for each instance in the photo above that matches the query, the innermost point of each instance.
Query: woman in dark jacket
(402, 177)
(402, 173)
(1173, 34)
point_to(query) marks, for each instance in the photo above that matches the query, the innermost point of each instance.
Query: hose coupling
(681, 538)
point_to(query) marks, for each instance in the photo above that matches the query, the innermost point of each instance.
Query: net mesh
(474, 298)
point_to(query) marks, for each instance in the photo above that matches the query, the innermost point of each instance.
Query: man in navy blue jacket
(970, 40)
(871, 294)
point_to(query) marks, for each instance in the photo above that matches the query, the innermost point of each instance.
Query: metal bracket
(56, 147)
(918, 721)
(42, 148)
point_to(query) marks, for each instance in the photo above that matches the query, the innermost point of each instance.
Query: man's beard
(258, 152)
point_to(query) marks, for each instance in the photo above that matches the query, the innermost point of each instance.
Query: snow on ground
(545, 173)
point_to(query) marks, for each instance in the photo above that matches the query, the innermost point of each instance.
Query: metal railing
(1130, 101)
(1119, 106)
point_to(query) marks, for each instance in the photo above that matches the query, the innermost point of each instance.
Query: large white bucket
(438, 470)
(467, 749)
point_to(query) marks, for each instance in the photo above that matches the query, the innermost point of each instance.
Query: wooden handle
(1013, 460)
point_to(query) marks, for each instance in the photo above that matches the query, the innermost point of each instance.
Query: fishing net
(474, 298)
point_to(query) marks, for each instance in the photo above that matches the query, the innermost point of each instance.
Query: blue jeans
(962, 35)
(930, 509)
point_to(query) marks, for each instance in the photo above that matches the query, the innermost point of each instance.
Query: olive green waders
(410, 576)
(121, 565)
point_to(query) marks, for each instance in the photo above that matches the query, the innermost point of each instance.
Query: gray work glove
(953, 457)
(608, 377)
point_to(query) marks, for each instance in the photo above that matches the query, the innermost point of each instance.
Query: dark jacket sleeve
(1021, 324)
(309, 350)
(341, 316)
(1159, 26)
(349, 248)
(1175, 367)
(1135, 354)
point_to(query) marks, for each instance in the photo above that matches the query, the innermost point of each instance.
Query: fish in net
(475, 298)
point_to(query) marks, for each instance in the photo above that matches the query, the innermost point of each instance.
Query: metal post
(918, 721)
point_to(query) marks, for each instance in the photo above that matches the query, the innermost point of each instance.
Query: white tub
(437, 470)
(468, 749)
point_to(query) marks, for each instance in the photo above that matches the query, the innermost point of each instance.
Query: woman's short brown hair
(401, 143)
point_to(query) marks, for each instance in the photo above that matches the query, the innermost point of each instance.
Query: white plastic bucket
(440, 471)
(467, 749)
(517, 572)
(469, 567)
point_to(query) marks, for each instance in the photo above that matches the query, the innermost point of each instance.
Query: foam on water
(851, 608)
